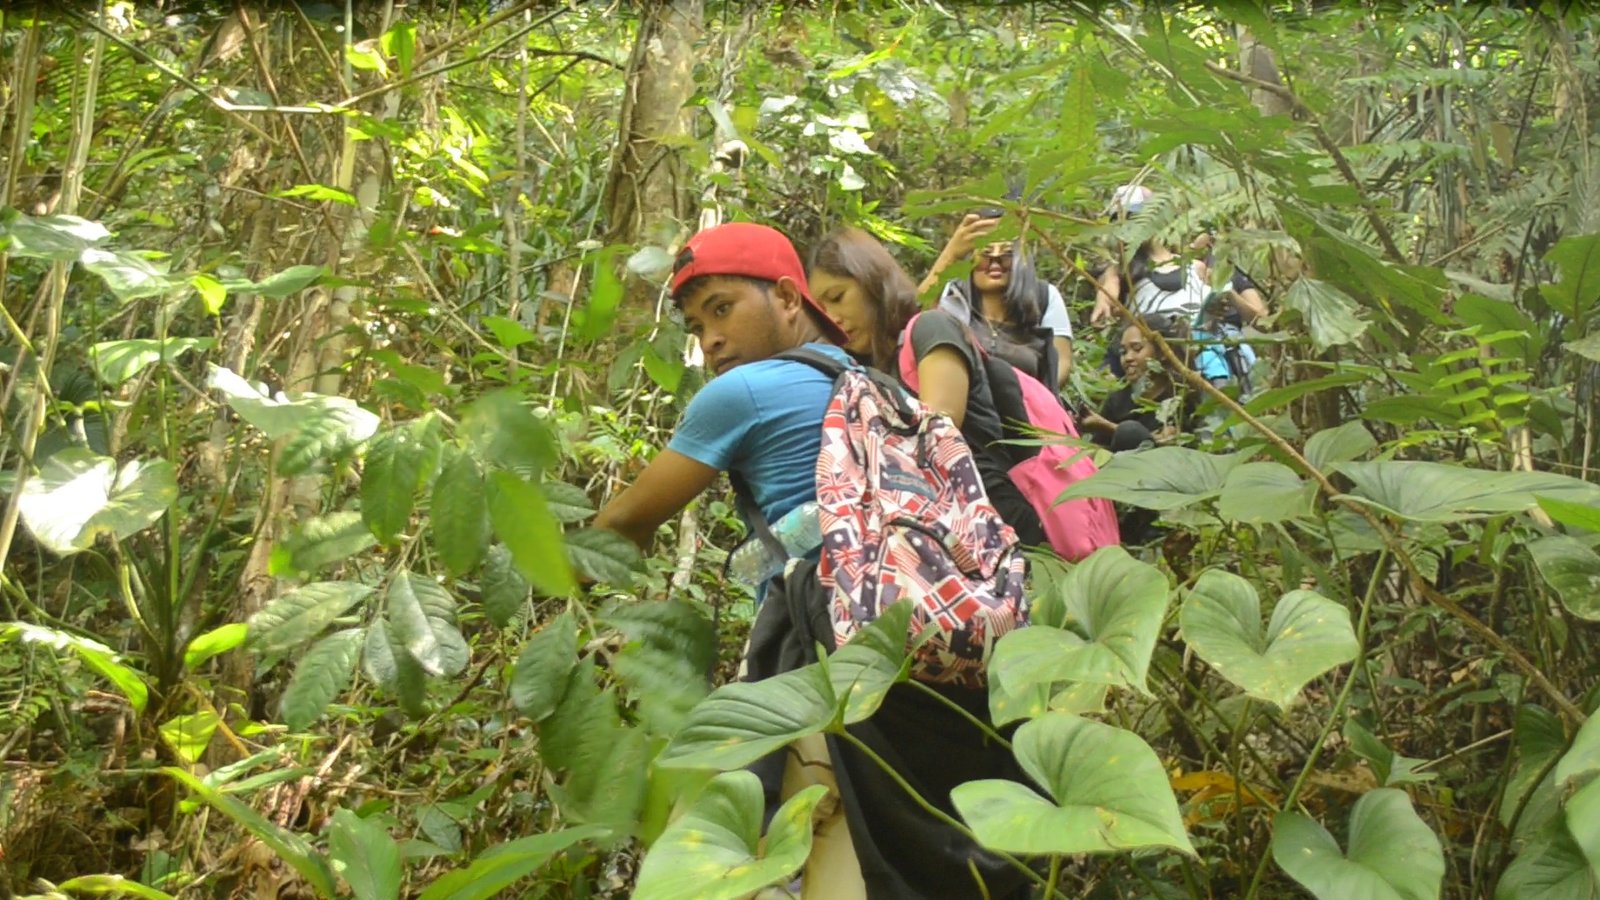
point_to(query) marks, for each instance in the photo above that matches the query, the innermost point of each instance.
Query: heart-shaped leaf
(79, 495)
(1572, 570)
(742, 722)
(1107, 792)
(715, 850)
(1435, 492)
(1264, 492)
(1161, 478)
(1550, 867)
(1308, 635)
(1097, 625)
(1339, 444)
(1392, 854)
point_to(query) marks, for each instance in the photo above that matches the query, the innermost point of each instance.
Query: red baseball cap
(752, 251)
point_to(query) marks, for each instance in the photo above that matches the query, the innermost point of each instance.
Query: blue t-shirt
(763, 421)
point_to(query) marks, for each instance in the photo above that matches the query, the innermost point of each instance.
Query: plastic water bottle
(799, 532)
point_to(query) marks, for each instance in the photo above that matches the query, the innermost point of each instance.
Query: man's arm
(665, 486)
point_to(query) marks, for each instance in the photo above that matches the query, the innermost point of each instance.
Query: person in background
(1150, 407)
(1015, 315)
(859, 284)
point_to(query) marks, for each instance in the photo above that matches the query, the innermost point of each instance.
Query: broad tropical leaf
(459, 516)
(533, 536)
(540, 678)
(1098, 625)
(1393, 853)
(423, 616)
(365, 856)
(301, 614)
(1161, 478)
(321, 675)
(1341, 443)
(277, 416)
(1308, 635)
(321, 542)
(505, 591)
(1329, 313)
(1435, 492)
(79, 495)
(1107, 792)
(744, 721)
(117, 361)
(499, 867)
(1572, 570)
(715, 852)
(1264, 492)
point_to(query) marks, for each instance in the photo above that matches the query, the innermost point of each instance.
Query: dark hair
(1026, 294)
(854, 254)
(700, 281)
(1175, 329)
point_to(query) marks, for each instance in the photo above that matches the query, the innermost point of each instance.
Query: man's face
(735, 321)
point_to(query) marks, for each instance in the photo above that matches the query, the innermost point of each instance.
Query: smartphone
(990, 212)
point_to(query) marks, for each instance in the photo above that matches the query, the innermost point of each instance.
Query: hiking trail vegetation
(328, 327)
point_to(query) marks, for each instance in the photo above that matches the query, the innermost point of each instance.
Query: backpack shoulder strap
(816, 359)
(835, 369)
(745, 502)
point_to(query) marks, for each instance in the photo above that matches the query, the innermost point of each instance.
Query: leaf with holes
(1308, 635)
(1393, 853)
(1107, 791)
(301, 614)
(423, 615)
(715, 850)
(321, 675)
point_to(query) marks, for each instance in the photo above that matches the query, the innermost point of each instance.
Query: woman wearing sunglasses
(1015, 315)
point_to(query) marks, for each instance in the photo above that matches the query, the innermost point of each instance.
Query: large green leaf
(1097, 625)
(190, 734)
(1329, 313)
(1341, 443)
(1107, 792)
(540, 678)
(278, 416)
(1264, 492)
(1550, 867)
(1308, 635)
(321, 675)
(79, 495)
(1576, 515)
(423, 615)
(1393, 853)
(94, 654)
(391, 667)
(1435, 492)
(113, 885)
(1572, 570)
(321, 542)
(59, 238)
(533, 536)
(459, 514)
(499, 867)
(1583, 822)
(666, 663)
(212, 643)
(1583, 756)
(1577, 258)
(301, 614)
(117, 361)
(603, 555)
(715, 852)
(744, 721)
(286, 845)
(505, 591)
(292, 280)
(365, 856)
(389, 481)
(129, 275)
(568, 502)
(1160, 478)
(507, 434)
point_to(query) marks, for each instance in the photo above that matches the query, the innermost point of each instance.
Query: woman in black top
(1150, 407)
(861, 286)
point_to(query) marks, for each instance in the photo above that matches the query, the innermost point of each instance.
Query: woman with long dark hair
(1014, 313)
(866, 292)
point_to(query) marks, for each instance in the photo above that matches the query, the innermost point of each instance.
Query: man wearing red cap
(743, 293)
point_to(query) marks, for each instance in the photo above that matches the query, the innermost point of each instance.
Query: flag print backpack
(1075, 528)
(904, 516)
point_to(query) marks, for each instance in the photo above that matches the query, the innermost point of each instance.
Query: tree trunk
(1257, 61)
(647, 196)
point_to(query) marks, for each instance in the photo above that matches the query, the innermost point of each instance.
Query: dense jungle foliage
(329, 326)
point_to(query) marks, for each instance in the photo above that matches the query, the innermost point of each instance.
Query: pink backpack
(1075, 528)
(904, 515)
